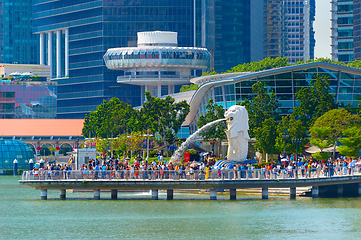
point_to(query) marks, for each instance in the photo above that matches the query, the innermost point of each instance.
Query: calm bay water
(24, 216)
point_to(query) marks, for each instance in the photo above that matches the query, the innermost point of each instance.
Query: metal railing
(198, 175)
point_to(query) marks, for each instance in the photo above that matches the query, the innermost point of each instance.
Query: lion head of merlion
(237, 121)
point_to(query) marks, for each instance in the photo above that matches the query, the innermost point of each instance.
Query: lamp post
(297, 141)
(77, 154)
(285, 136)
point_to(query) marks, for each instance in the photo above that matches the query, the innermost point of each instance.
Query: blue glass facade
(27, 100)
(14, 149)
(344, 82)
(231, 30)
(18, 44)
(95, 26)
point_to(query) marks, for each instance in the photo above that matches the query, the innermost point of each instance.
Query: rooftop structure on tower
(157, 63)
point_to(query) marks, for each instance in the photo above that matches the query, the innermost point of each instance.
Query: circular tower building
(157, 62)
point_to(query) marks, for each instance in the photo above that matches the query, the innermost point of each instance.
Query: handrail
(195, 175)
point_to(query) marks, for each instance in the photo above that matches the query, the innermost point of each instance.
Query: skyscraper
(85, 29)
(231, 30)
(357, 30)
(290, 32)
(342, 38)
(18, 44)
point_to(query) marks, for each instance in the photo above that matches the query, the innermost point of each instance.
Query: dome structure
(157, 61)
(14, 149)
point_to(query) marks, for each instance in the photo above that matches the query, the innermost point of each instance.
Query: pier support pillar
(114, 194)
(314, 191)
(264, 193)
(233, 194)
(293, 193)
(62, 194)
(155, 194)
(213, 194)
(340, 190)
(96, 194)
(44, 194)
(169, 194)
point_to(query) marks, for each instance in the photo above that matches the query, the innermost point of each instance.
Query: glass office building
(29, 100)
(345, 83)
(231, 30)
(14, 149)
(74, 36)
(18, 44)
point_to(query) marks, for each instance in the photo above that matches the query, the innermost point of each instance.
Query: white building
(342, 30)
(157, 63)
(35, 69)
(298, 20)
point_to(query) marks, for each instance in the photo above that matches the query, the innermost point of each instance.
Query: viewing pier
(336, 182)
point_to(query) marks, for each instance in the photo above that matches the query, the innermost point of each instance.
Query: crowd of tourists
(285, 166)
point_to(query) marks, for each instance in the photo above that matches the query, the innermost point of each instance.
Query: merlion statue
(237, 133)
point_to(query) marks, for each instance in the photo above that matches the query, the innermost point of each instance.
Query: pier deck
(231, 180)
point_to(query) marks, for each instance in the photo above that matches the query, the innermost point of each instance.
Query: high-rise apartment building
(357, 29)
(342, 32)
(289, 29)
(18, 44)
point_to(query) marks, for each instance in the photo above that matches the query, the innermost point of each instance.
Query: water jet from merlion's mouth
(177, 153)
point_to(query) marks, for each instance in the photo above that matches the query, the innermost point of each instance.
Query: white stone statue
(237, 133)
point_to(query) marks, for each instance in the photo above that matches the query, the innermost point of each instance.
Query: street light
(285, 136)
(297, 141)
(77, 153)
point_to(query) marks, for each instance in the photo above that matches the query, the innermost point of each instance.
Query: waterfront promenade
(211, 180)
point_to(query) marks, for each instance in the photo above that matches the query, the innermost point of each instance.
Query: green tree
(266, 137)
(261, 107)
(216, 132)
(351, 142)
(111, 119)
(164, 116)
(314, 101)
(320, 139)
(337, 120)
(209, 73)
(267, 63)
(291, 128)
(186, 88)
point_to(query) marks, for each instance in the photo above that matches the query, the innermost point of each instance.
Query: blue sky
(322, 28)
